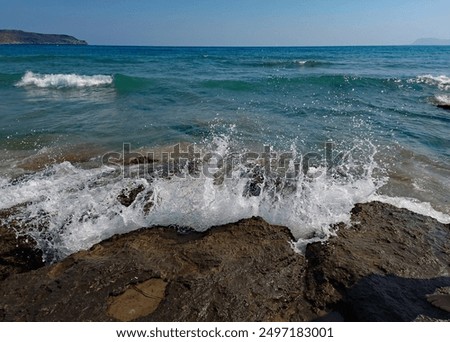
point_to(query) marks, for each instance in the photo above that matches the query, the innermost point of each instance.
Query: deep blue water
(59, 99)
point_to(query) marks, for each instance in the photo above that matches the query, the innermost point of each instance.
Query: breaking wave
(66, 208)
(442, 101)
(442, 82)
(63, 80)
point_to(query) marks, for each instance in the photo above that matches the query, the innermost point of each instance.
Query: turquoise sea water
(63, 107)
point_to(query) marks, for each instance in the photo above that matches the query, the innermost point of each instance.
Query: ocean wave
(31, 58)
(335, 81)
(63, 80)
(442, 82)
(66, 208)
(127, 84)
(235, 85)
(442, 101)
(9, 78)
(310, 63)
(296, 63)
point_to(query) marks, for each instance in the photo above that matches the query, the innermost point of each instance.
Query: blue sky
(233, 22)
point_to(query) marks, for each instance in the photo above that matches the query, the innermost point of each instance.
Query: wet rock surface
(443, 106)
(389, 265)
(242, 271)
(382, 267)
(18, 254)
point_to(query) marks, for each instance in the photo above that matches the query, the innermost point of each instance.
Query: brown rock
(387, 266)
(138, 301)
(441, 298)
(382, 267)
(444, 106)
(246, 271)
(18, 253)
(126, 198)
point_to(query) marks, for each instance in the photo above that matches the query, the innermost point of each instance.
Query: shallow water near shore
(64, 108)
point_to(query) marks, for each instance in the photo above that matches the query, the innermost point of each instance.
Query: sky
(232, 22)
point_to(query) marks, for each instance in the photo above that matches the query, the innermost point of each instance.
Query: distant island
(431, 41)
(15, 37)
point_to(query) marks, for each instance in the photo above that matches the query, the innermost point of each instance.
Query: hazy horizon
(224, 23)
(447, 43)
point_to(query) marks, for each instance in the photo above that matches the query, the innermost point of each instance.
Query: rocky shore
(389, 265)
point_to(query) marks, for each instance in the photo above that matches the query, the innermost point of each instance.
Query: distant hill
(431, 41)
(21, 37)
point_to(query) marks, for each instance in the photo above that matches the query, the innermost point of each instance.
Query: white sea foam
(63, 80)
(413, 205)
(70, 208)
(442, 82)
(311, 63)
(442, 100)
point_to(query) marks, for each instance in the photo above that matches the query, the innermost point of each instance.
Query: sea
(102, 140)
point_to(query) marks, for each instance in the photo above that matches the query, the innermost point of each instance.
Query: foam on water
(63, 80)
(291, 63)
(442, 81)
(413, 205)
(105, 96)
(66, 208)
(442, 100)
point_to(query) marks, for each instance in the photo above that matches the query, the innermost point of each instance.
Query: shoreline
(243, 271)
